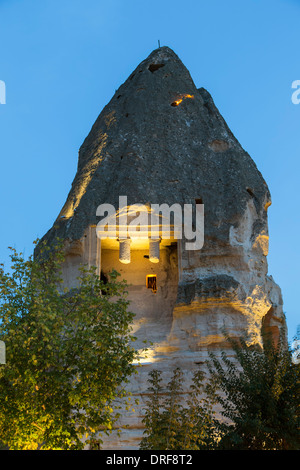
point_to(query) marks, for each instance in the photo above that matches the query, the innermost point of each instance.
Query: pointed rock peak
(163, 60)
(163, 55)
(162, 140)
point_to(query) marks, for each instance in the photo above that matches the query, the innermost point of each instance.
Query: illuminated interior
(151, 282)
(125, 231)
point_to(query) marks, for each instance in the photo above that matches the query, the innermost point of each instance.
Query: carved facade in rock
(160, 140)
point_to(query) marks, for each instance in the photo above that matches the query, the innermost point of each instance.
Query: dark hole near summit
(154, 67)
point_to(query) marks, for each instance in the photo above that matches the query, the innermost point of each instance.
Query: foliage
(171, 425)
(69, 354)
(259, 395)
(256, 393)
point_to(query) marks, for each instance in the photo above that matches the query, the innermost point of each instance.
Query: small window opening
(199, 200)
(151, 282)
(154, 67)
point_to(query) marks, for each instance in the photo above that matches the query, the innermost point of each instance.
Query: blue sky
(62, 60)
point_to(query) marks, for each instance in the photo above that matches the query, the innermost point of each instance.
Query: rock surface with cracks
(162, 140)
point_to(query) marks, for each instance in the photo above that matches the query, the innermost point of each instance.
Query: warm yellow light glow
(148, 224)
(80, 185)
(182, 97)
(177, 102)
(151, 282)
(145, 358)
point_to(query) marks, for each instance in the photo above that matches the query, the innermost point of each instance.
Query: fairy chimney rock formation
(160, 140)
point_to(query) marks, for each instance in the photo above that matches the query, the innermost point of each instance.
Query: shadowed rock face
(162, 140)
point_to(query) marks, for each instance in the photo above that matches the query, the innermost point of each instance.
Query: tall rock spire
(162, 140)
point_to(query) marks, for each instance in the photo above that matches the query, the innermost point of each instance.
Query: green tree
(69, 354)
(172, 424)
(258, 391)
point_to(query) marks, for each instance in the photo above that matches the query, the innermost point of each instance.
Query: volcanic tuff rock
(143, 147)
(162, 140)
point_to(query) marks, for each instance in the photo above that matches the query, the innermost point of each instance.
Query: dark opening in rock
(154, 67)
(151, 282)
